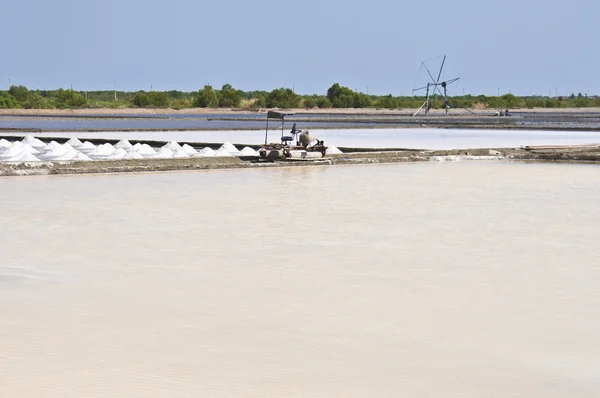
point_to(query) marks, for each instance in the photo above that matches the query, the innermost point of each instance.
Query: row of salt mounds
(17, 152)
(57, 152)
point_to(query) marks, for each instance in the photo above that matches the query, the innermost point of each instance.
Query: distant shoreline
(236, 111)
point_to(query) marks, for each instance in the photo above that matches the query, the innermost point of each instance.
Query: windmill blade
(429, 73)
(452, 81)
(420, 88)
(441, 68)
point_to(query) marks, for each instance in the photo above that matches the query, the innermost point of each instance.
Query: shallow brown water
(416, 280)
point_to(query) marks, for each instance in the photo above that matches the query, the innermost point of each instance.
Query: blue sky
(527, 46)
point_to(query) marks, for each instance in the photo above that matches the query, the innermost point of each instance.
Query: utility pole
(9, 83)
(115, 89)
(556, 92)
(498, 91)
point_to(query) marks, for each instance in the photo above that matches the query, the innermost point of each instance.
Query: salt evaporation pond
(416, 138)
(464, 280)
(75, 149)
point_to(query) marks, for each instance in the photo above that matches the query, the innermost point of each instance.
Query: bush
(206, 98)
(283, 98)
(229, 97)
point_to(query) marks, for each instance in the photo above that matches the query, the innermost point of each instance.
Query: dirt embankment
(580, 154)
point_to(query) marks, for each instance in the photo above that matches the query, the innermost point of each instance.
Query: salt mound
(24, 157)
(123, 144)
(180, 154)
(29, 149)
(247, 151)
(332, 151)
(4, 143)
(70, 154)
(229, 147)
(67, 146)
(81, 156)
(206, 152)
(52, 145)
(33, 142)
(102, 150)
(223, 152)
(133, 155)
(164, 153)
(53, 153)
(172, 145)
(188, 149)
(144, 149)
(87, 145)
(16, 149)
(119, 153)
(74, 142)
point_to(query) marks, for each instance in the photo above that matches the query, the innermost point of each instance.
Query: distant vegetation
(228, 97)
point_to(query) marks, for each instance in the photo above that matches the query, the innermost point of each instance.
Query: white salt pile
(332, 151)
(34, 142)
(67, 146)
(81, 156)
(206, 152)
(74, 142)
(229, 147)
(52, 145)
(133, 155)
(14, 150)
(223, 152)
(144, 149)
(24, 157)
(54, 152)
(164, 153)
(102, 151)
(123, 144)
(87, 145)
(119, 153)
(4, 143)
(247, 151)
(188, 149)
(180, 154)
(172, 145)
(70, 154)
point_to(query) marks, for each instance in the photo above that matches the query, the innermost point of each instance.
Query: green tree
(7, 101)
(159, 99)
(283, 98)
(206, 98)
(141, 99)
(229, 97)
(35, 101)
(19, 92)
(69, 98)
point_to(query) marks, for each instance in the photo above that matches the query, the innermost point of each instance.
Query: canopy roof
(278, 115)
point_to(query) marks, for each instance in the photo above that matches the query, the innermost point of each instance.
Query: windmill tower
(433, 87)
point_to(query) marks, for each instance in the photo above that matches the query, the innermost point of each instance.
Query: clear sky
(526, 46)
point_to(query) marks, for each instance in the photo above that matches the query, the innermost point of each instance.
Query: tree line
(337, 96)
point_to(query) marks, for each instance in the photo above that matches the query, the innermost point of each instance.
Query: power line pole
(115, 89)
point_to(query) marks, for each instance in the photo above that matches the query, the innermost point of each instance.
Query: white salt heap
(87, 145)
(180, 154)
(247, 151)
(164, 153)
(81, 156)
(188, 149)
(144, 149)
(34, 142)
(28, 157)
(133, 155)
(102, 151)
(52, 151)
(14, 150)
(332, 151)
(223, 152)
(123, 144)
(119, 153)
(4, 143)
(74, 142)
(229, 147)
(206, 152)
(172, 145)
(70, 154)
